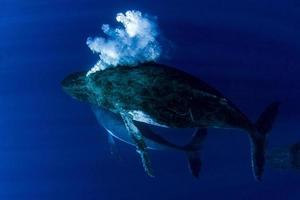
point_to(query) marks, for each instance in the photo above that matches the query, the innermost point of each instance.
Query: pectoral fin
(139, 142)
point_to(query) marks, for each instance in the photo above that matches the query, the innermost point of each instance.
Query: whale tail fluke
(259, 138)
(194, 151)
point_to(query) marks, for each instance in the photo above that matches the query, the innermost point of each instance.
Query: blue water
(51, 146)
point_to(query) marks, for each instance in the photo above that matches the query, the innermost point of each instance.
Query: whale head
(75, 85)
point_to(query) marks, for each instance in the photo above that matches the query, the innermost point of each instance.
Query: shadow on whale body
(164, 96)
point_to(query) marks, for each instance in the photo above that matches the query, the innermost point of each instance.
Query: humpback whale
(168, 97)
(116, 129)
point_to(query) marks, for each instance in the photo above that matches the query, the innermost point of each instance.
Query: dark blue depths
(51, 146)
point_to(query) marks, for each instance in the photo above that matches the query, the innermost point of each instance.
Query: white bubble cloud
(134, 42)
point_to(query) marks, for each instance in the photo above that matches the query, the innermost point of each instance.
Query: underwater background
(51, 146)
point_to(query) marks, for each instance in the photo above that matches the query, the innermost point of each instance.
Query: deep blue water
(51, 146)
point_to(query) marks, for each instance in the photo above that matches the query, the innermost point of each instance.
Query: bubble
(134, 42)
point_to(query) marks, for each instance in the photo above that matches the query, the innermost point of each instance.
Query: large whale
(165, 96)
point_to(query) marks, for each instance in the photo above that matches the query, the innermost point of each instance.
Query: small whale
(164, 96)
(116, 129)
